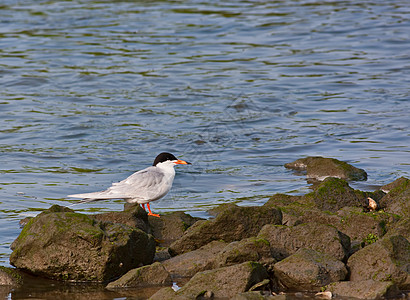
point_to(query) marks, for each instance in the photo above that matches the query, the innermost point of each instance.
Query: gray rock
(286, 240)
(401, 227)
(224, 282)
(232, 224)
(387, 259)
(151, 275)
(188, 264)
(364, 289)
(250, 249)
(170, 227)
(253, 295)
(397, 200)
(309, 270)
(64, 245)
(320, 168)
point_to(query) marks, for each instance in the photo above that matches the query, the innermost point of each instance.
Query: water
(92, 91)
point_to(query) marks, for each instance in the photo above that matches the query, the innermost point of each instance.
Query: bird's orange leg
(143, 206)
(150, 212)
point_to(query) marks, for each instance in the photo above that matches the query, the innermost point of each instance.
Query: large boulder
(64, 245)
(319, 168)
(387, 259)
(309, 270)
(364, 289)
(224, 282)
(231, 224)
(151, 275)
(189, 263)
(286, 240)
(397, 200)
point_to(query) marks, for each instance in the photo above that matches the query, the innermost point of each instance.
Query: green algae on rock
(319, 168)
(60, 244)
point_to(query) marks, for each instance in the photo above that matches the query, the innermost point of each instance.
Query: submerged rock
(387, 259)
(231, 224)
(64, 245)
(309, 270)
(151, 275)
(286, 240)
(364, 289)
(320, 168)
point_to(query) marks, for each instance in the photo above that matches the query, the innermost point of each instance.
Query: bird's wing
(140, 185)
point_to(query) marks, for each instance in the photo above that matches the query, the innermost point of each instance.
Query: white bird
(142, 187)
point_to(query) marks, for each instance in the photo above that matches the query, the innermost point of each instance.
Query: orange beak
(182, 162)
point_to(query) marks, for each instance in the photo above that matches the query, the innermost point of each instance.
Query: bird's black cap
(164, 156)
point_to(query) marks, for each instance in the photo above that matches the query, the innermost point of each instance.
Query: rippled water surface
(91, 91)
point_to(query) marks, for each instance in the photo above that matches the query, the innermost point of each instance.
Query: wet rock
(151, 275)
(169, 294)
(250, 249)
(397, 200)
(64, 245)
(332, 194)
(387, 259)
(309, 270)
(224, 282)
(189, 263)
(253, 295)
(286, 240)
(232, 224)
(320, 168)
(133, 215)
(365, 289)
(170, 227)
(10, 277)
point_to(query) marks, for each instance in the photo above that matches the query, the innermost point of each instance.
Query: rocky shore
(333, 242)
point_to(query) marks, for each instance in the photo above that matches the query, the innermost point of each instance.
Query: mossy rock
(397, 200)
(232, 224)
(320, 168)
(64, 245)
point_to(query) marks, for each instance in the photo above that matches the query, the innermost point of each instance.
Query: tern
(142, 187)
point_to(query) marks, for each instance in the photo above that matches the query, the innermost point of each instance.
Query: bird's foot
(154, 215)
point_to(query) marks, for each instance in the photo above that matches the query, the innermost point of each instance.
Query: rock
(232, 224)
(320, 168)
(224, 282)
(387, 259)
(167, 293)
(133, 215)
(402, 227)
(253, 295)
(332, 194)
(250, 249)
(365, 289)
(10, 277)
(151, 275)
(188, 264)
(170, 227)
(286, 240)
(397, 200)
(309, 270)
(60, 244)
